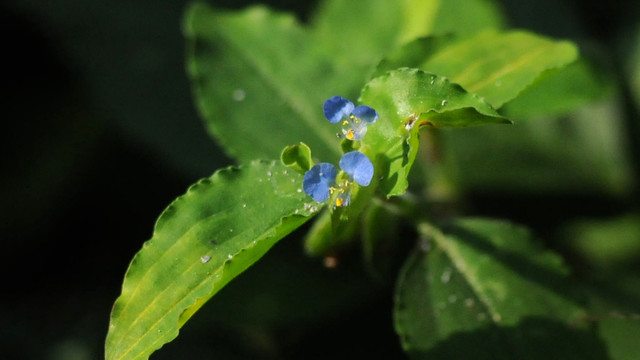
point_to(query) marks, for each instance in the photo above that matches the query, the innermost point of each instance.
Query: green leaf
(559, 91)
(406, 99)
(205, 238)
(438, 17)
(258, 82)
(484, 290)
(355, 34)
(494, 65)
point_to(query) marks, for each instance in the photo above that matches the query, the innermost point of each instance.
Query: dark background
(101, 134)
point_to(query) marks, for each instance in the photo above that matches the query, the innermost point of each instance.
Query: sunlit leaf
(438, 17)
(494, 65)
(204, 239)
(406, 99)
(258, 82)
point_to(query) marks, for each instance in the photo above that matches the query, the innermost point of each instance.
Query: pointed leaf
(206, 237)
(438, 17)
(405, 99)
(494, 65)
(483, 289)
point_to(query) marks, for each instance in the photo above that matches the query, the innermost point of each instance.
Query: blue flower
(354, 119)
(320, 181)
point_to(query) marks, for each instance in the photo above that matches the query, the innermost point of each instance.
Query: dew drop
(299, 190)
(244, 205)
(268, 173)
(230, 230)
(446, 276)
(284, 172)
(238, 95)
(444, 102)
(469, 303)
(205, 259)
(230, 256)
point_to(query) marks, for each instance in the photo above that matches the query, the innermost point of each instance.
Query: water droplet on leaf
(469, 303)
(446, 276)
(238, 95)
(205, 259)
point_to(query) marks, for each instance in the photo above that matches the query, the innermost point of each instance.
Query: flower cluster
(323, 180)
(354, 120)
(320, 181)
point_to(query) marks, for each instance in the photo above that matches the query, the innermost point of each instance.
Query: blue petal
(366, 114)
(358, 166)
(337, 108)
(318, 180)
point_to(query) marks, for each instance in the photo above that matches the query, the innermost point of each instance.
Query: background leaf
(205, 238)
(558, 91)
(255, 74)
(405, 99)
(575, 154)
(483, 289)
(438, 17)
(494, 65)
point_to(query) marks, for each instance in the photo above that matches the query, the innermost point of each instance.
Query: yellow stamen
(357, 120)
(350, 134)
(345, 122)
(339, 201)
(352, 117)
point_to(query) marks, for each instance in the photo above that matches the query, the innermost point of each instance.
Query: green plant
(470, 285)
